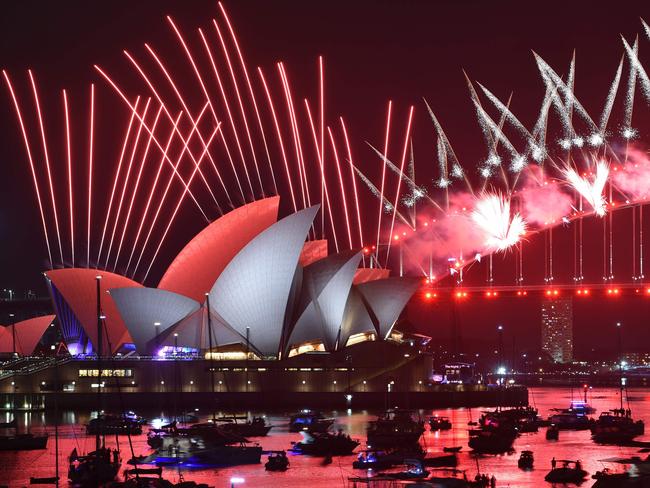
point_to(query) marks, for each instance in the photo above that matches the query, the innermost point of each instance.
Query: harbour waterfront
(17, 467)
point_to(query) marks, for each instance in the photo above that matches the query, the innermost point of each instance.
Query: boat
(152, 478)
(277, 461)
(309, 420)
(552, 433)
(580, 406)
(110, 424)
(452, 449)
(445, 460)
(94, 469)
(570, 472)
(637, 473)
(200, 444)
(325, 444)
(508, 416)
(616, 427)
(492, 440)
(414, 471)
(396, 428)
(256, 427)
(379, 459)
(439, 423)
(570, 421)
(526, 460)
(23, 442)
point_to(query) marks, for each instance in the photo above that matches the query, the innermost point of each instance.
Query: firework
(492, 215)
(590, 190)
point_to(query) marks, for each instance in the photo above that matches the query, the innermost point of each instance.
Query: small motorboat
(23, 442)
(526, 460)
(444, 460)
(94, 469)
(277, 461)
(108, 424)
(256, 427)
(378, 459)
(452, 449)
(552, 433)
(414, 471)
(570, 472)
(439, 423)
(152, 478)
(325, 444)
(570, 421)
(310, 421)
(395, 428)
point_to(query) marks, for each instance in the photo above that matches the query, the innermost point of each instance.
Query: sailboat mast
(620, 362)
(207, 304)
(99, 359)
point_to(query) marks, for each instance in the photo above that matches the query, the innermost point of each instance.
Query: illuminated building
(557, 328)
(248, 282)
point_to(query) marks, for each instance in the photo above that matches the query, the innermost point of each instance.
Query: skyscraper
(557, 328)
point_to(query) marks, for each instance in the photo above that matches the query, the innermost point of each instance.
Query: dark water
(16, 468)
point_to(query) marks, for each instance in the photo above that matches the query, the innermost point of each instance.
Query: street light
(236, 480)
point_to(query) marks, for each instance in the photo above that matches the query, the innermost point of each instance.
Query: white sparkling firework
(518, 164)
(419, 192)
(443, 183)
(578, 141)
(591, 191)
(640, 71)
(629, 133)
(492, 215)
(493, 160)
(457, 171)
(611, 95)
(485, 172)
(595, 140)
(537, 153)
(388, 207)
(565, 143)
(408, 201)
(646, 28)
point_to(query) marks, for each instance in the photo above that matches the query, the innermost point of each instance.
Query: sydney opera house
(250, 300)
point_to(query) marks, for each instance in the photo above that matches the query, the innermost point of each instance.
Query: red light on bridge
(613, 291)
(647, 291)
(583, 291)
(491, 294)
(522, 293)
(461, 294)
(428, 295)
(552, 293)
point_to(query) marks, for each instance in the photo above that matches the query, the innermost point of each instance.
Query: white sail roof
(148, 312)
(386, 299)
(253, 290)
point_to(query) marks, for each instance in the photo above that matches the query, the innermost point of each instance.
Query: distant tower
(557, 328)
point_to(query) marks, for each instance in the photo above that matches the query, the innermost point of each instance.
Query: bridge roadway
(611, 290)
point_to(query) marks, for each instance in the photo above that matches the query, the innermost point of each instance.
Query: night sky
(374, 51)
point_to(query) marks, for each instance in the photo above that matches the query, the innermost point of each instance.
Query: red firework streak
(69, 154)
(354, 180)
(31, 164)
(383, 178)
(208, 99)
(324, 182)
(90, 167)
(345, 202)
(224, 97)
(116, 178)
(47, 162)
(136, 186)
(239, 100)
(178, 205)
(280, 139)
(134, 149)
(151, 193)
(399, 181)
(164, 196)
(155, 140)
(250, 90)
(296, 137)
